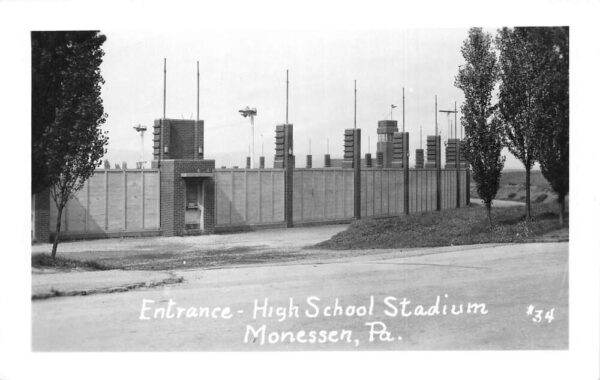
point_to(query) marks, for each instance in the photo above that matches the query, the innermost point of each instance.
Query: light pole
(141, 129)
(245, 113)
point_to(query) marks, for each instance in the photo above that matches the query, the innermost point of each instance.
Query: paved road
(506, 278)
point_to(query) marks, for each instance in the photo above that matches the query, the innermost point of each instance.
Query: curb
(114, 289)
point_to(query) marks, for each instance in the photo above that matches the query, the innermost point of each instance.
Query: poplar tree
(483, 139)
(67, 113)
(518, 99)
(551, 46)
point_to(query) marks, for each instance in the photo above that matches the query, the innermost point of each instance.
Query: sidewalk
(46, 284)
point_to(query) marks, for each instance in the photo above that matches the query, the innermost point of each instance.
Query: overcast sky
(248, 69)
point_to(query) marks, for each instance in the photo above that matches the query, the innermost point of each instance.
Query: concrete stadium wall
(382, 192)
(422, 190)
(112, 203)
(249, 197)
(323, 195)
(448, 189)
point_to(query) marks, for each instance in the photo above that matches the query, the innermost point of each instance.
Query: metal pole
(196, 147)
(252, 151)
(457, 160)
(142, 134)
(355, 104)
(403, 110)
(421, 137)
(436, 123)
(287, 94)
(162, 121)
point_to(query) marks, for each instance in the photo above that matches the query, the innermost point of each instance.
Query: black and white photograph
(399, 193)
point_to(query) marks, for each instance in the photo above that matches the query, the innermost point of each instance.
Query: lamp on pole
(245, 113)
(141, 129)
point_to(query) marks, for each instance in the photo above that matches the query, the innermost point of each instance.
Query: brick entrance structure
(178, 153)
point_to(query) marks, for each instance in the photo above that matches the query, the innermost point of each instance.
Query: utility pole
(287, 94)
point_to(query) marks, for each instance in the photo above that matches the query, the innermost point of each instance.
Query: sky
(239, 69)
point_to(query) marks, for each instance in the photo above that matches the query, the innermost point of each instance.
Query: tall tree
(518, 98)
(551, 46)
(67, 113)
(483, 139)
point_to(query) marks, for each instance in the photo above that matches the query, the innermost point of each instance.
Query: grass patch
(448, 227)
(202, 258)
(45, 261)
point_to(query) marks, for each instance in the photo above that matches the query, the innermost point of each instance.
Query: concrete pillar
(327, 161)
(261, 161)
(379, 160)
(368, 160)
(248, 162)
(309, 161)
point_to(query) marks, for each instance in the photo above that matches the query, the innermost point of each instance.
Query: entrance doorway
(194, 204)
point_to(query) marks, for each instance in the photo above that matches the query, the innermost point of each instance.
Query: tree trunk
(527, 192)
(561, 213)
(488, 208)
(57, 234)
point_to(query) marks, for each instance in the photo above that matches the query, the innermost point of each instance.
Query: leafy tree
(518, 99)
(67, 113)
(483, 137)
(551, 46)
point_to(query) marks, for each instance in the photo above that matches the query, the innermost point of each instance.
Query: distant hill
(512, 187)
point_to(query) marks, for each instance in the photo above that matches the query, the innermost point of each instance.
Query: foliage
(483, 145)
(551, 46)
(67, 113)
(519, 92)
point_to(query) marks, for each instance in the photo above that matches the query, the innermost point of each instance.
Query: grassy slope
(448, 227)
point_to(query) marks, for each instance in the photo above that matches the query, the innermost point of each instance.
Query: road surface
(499, 285)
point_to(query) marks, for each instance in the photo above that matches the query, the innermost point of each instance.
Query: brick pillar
(209, 205)
(419, 159)
(405, 151)
(288, 165)
(327, 161)
(356, 167)
(457, 144)
(438, 167)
